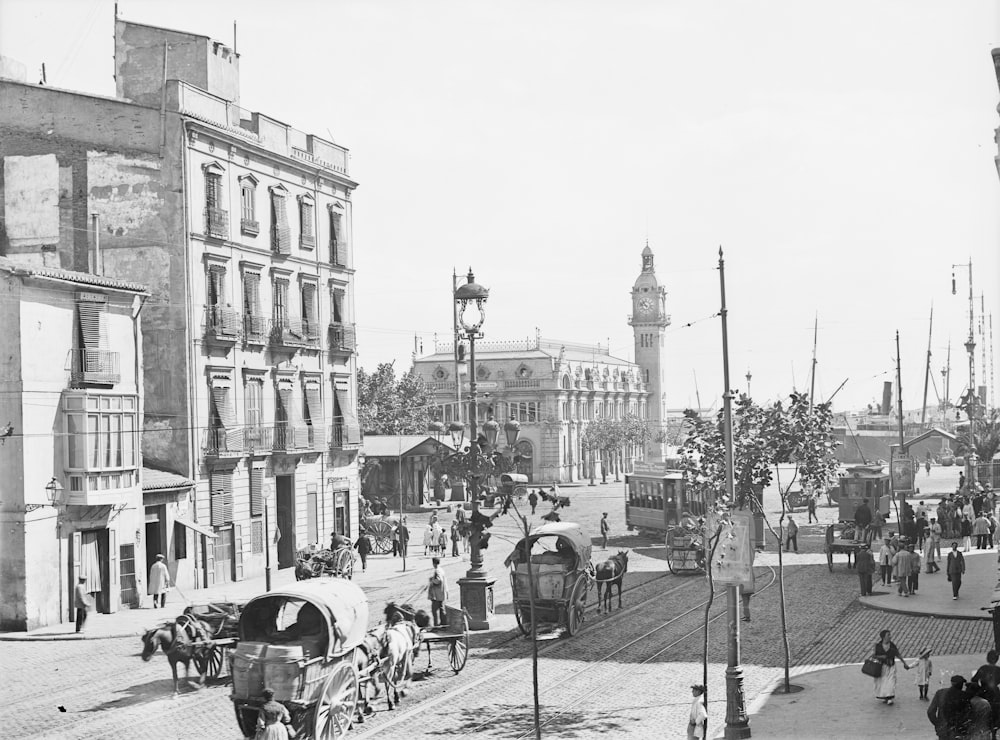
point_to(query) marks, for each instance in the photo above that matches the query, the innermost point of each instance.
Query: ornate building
(556, 388)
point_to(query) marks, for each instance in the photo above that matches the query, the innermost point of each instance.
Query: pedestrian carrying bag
(872, 667)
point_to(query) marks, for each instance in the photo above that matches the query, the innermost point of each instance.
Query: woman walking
(888, 653)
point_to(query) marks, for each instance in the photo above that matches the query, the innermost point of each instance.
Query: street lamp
(748, 381)
(53, 492)
(512, 430)
(267, 538)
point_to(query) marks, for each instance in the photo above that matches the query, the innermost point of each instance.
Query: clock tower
(649, 321)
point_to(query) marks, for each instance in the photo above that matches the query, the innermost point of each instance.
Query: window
(645, 376)
(257, 492)
(221, 497)
(257, 537)
(213, 190)
(216, 289)
(281, 233)
(101, 432)
(280, 308)
(338, 247)
(253, 401)
(308, 303)
(248, 206)
(312, 411)
(216, 218)
(253, 322)
(337, 305)
(307, 230)
(180, 541)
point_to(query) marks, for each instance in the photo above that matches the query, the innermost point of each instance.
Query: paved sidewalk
(382, 569)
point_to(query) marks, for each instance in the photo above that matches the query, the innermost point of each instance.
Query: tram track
(688, 622)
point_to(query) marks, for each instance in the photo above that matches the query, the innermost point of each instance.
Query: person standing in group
(437, 592)
(992, 522)
(83, 601)
(885, 561)
(532, 501)
(966, 528)
(949, 710)
(988, 677)
(404, 537)
(935, 537)
(455, 537)
(443, 542)
(429, 539)
(930, 558)
(791, 535)
(364, 547)
(955, 569)
(981, 531)
(901, 568)
(865, 565)
(980, 713)
(887, 652)
(698, 717)
(811, 509)
(159, 581)
(862, 519)
(605, 528)
(924, 671)
(395, 541)
(927, 467)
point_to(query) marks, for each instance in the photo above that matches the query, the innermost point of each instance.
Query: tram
(658, 498)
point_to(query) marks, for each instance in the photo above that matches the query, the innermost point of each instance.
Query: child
(443, 543)
(924, 670)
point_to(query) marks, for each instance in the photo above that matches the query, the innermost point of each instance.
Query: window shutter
(226, 415)
(309, 307)
(257, 537)
(251, 294)
(314, 406)
(256, 492)
(93, 327)
(337, 305)
(237, 552)
(338, 246)
(281, 234)
(352, 430)
(218, 499)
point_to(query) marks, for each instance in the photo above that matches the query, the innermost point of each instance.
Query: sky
(841, 154)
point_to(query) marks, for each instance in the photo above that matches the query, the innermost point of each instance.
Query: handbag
(872, 667)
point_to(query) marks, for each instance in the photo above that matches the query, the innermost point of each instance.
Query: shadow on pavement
(157, 690)
(516, 719)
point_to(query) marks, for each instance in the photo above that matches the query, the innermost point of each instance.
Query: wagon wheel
(337, 702)
(699, 560)
(458, 649)
(216, 659)
(345, 566)
(575, 608)
(380, 535)
(522, 621)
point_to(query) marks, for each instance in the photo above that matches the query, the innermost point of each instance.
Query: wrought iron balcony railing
(255, 329)
(222, 442)
(343, 338)
(222, 323)
(217, 223)
(291, 438)
(249, 226)
(294, 333)
(94, 366)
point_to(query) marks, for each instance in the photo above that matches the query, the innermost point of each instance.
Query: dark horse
(182, 641)
(610, 573)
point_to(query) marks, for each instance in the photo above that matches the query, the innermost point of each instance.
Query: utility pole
(927, 370)
(899, 407)
(812, 372)
(970, 347)
(737, 721)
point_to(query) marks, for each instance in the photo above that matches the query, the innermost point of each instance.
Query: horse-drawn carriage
(555, 559)
(686, 548)
(304, 643)
(222, 618)
(379, 531)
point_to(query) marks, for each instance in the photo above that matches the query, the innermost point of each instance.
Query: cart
(558, 556)
(221, 618)
(304, 644)
(843, 545)
(379, 532)
(685, 551)
(455, 634)
(338, 563)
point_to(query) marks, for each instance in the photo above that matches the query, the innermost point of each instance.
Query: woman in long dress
(888, 653)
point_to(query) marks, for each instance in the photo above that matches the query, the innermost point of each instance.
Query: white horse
(399, 643)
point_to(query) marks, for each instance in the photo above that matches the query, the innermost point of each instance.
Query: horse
(609, 573)
(182, 641)
(399, 644)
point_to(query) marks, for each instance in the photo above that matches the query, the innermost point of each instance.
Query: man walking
(862, 519)
(866, 567)
(437, 592)
(955, 569)
(605, 528)
(811, 508)
(82, 600)
(935, 535)
(791, 535)
(902, 567)
(159, 581)
(533, 501)
(364, 547)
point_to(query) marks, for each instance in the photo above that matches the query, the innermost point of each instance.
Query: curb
(917, 613)
(69, 637)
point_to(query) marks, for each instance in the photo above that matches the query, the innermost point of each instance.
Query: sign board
(901, 473)
(653, 468)
(483, 385)
(733, 559)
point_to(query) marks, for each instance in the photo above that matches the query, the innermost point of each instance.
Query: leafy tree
(763, 438)
(983, 437)
(390, 406)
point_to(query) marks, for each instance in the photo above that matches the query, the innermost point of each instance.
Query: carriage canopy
(567, 537)
(330, 616)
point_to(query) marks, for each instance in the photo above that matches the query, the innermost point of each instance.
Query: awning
(196, 527)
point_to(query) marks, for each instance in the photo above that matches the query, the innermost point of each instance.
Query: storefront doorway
(284, 486)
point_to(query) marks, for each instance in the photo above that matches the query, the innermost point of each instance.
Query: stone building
(240, 226)
(70, 380)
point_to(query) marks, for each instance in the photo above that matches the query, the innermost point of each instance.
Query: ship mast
(927, 370)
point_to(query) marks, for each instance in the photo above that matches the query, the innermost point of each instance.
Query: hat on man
(160, 557)
(957, 680)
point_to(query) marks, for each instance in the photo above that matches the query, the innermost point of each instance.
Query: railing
(441, 385)
(222, 442)
(289, 438)
(343, 338)
(217, 222)
(98, 366)
(307, 240)
(222, 323)
(260, 440)
(249, 226)
(522, 383)
(255, 329)
(294, 333)
(339, 437)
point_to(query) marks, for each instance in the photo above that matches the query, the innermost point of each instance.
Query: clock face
(645, 305)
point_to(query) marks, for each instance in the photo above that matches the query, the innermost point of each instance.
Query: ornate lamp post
(266, 493)
(53, 492)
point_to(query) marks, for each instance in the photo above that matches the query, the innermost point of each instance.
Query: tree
(388, 406)
(983, 437)
(763, 438)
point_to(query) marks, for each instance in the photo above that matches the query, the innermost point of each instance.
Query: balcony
(307, 241)
(217, 223)
(291, 438)
(222, 324)
(340, 439)
(294, 333)
(249, 226)
(223, 443)
(94, 367)
(100, 488)
(343, 339)
(255, 329)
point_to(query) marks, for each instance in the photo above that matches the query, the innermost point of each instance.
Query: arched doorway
(526, 462)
